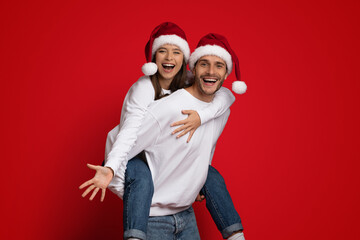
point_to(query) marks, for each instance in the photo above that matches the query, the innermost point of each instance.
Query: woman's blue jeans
(139, 189)
(220, 205)
(138, 194)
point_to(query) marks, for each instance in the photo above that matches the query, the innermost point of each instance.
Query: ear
(226, 75)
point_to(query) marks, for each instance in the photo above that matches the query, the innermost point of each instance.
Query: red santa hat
(217, 45)
(165, 33)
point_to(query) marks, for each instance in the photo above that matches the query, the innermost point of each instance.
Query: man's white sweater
(123, 137)
(178, 169)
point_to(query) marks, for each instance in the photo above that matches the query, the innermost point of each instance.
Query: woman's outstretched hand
(190, 124)
(101, 180)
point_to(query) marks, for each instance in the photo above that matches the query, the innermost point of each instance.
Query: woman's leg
(220, 205)
(137, 198)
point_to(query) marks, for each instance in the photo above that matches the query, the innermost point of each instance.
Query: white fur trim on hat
(239, 87)
(214, 50)
(171, 39)
(149, 68)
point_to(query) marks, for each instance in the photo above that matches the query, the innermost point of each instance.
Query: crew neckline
(166, 91)
(196, 99)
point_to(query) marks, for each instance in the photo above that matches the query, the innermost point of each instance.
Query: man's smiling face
(210, 72)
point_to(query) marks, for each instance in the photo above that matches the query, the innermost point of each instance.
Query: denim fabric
(138, 195)
(180, 226)
(220, 205)
(139, 189)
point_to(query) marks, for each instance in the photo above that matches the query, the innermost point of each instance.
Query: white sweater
(178, 169)
(136, 102)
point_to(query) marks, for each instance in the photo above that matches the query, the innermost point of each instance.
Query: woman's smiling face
(169, 60)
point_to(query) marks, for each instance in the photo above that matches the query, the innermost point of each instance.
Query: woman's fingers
(85, 184)
(181, 122)
(179, 129)
(187, 111)
(94, 194)
(190, 135)
(103, 191)
(93, 167)
(90, 184)
(88, 190)
(183, 133)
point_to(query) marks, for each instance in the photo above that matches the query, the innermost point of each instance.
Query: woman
(169, 52)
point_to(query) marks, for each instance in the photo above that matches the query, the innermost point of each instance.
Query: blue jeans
(138, 194)
(139, 189)
(180, 226)
(220, 205)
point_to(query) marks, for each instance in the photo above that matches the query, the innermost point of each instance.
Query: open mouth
(209, 80)
(168, 66)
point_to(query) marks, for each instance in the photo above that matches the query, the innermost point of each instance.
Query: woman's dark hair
(178, 82)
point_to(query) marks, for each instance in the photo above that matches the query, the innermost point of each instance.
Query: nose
(169, 55)
(211, 69)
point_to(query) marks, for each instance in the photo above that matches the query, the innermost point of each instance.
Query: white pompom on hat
(217, 45)
(165, 33)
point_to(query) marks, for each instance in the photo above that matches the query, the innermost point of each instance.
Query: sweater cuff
(205, 115)
(112, 166)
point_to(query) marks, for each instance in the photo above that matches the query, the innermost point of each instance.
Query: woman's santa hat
(217, 45)
(165, 33)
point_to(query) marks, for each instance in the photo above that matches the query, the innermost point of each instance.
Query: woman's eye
(177, 53)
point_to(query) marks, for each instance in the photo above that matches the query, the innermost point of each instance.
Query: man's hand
(190, 124)
(101, 180)
(199, 198)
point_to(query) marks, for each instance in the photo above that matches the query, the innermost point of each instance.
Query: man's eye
(203, 64)
(220, 66)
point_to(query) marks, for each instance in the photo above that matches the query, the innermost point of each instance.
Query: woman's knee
(138, 173)
(137, 168)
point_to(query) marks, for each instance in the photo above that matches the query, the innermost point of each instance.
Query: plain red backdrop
(289, 153)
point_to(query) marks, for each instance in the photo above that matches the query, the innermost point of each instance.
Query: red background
(289, 152)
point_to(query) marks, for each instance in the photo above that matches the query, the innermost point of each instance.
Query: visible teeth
(168, 65)
(209, 80)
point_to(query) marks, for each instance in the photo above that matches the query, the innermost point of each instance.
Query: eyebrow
(204, 60)
(207, 61)
(174, 49)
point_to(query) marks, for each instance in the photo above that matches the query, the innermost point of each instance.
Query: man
(178, 169)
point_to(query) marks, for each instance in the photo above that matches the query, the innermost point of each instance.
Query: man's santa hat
(217, 45)
(165, 33)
